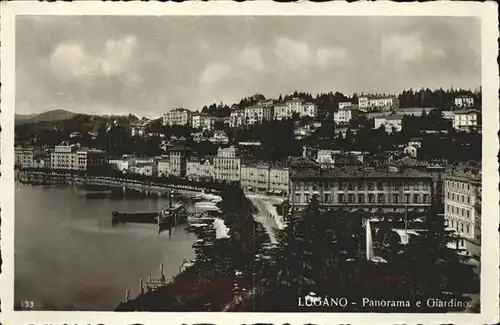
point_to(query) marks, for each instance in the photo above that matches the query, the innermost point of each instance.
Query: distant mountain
(55, 115)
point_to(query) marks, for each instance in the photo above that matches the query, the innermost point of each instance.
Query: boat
(202, 243)
(206, 205)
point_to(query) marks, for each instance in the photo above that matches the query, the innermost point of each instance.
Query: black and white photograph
(252, 162)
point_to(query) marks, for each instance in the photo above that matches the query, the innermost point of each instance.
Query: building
(265, 179)
(343, 105)
(325, 158)
(343, 131)
(462, 204)
(163, 167)
(464, 101)
(219, 137)
(344, 115)
(74, 158)
(415, 142)
(376, 103)
(465, 120)
(391, 123)
(255, 178)
(287, 109)
(384, 191)
(123, 164)
(411, 151)
(177, 160)
(227, 165)
(144, 169)
(200, 170)
(178, 116)
(24, 156)
(258, 114)
(237, 118)
(202, 121)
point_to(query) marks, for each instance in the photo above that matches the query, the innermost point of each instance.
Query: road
(266, 215)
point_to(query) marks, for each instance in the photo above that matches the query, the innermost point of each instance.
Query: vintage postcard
(242, 163)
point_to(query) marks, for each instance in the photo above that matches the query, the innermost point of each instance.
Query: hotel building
(24, 156)
(237, 118)
(287, 109)
(258, 114)
(465, 120)
(227, 165)
(462, 204)
(353, 188)
(464, 101)
(73, 158)
(390, 122)
(345, 114)
(374, 103)
(178, 116)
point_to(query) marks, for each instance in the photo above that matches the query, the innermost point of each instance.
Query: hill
(55, 115)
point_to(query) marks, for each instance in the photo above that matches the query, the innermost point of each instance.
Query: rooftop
(356, 172)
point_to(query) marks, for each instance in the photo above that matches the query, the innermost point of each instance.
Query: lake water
(68, 256)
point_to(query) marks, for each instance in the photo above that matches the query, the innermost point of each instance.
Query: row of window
(370, 198)
(457, 211)
(459, 226)
(458, 185)
(458, 197)
(350, 186)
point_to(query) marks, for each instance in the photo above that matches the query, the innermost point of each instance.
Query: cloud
(214, 72)
(409, 48)
(292, 53)
(252, 58)
(72, 61)
(406, 47)
(325, 56)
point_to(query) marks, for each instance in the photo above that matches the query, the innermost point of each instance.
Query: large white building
(345, 114)
(465, 120)
(258, 114)
(464, 101)
(123, 164)
(462, 207)
(287, 109)
(200, 170)
(24, 156)
(265, 179)
(375, 103)
(202, 121)
(237, 118)
(390, 122)
(73, 158)
(227, 165)
(178, 116)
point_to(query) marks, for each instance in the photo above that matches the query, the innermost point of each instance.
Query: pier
(165, 218)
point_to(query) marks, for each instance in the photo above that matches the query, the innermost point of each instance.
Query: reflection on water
(69, 257)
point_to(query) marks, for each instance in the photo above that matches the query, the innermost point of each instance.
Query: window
(468, 187)
(370, 186)
(467, 228)
(306, 198)
(350, 198)
(468, 199)
(327, 186)
(381, 198)
(407, 198)
(407, 186)
(416, 198)
(342, 186)
(328, 198)
(447, 208)
(463, 198)
(395, 198)
(350, 186)
(463, 186)
(462, 212)
(341, 198)
(453, 196)
(395, 186)
(448, 195)
(415, 186)
(361, 186)
(462, 227)
(361, 198)
(380, 186)
(425, 198)
(297, 198)
(467, 212)
(371, 198)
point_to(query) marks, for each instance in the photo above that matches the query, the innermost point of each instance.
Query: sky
(147, 65)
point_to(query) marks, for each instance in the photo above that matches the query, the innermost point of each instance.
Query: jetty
(165, 218)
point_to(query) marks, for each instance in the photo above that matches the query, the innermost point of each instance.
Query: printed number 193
(27, 304)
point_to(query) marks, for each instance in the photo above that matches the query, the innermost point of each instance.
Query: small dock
(165, 218)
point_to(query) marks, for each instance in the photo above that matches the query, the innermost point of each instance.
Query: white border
(487, 12)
